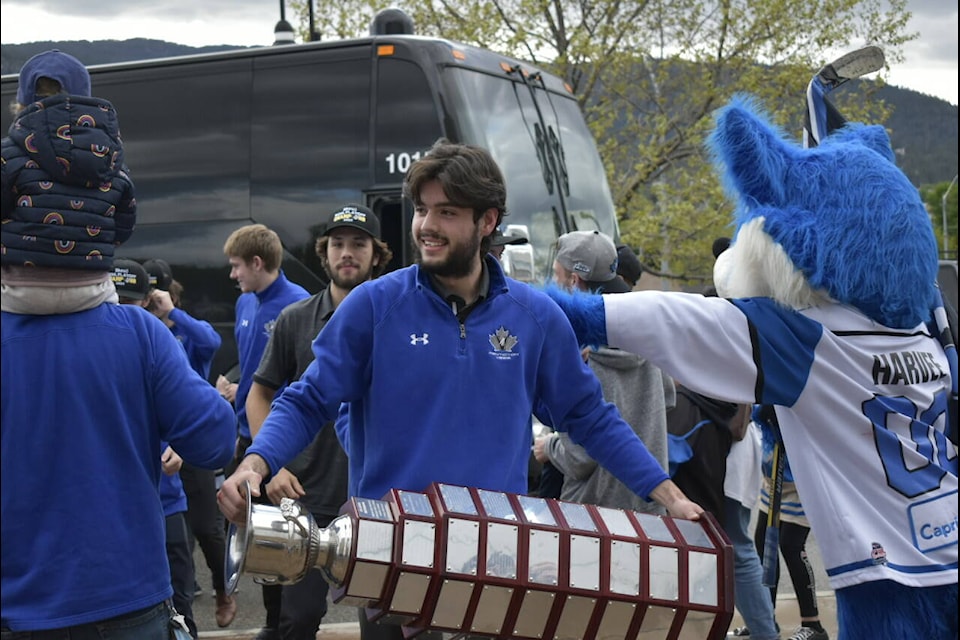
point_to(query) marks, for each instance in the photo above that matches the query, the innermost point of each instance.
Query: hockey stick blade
(821, 117)
(852, 65)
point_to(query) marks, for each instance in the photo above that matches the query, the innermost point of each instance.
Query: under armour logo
(415, 339)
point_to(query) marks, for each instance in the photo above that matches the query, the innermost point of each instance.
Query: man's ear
(488, 222)
(256, 263)
(578, 282)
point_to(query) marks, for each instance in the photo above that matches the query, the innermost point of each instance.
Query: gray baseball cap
(589, 254)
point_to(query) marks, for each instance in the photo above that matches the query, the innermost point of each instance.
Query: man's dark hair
(469, 177)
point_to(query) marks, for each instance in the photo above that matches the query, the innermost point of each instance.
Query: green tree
(648, 75)
(943, 211)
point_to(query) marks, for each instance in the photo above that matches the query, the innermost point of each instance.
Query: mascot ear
(871, 136)
(753, 154)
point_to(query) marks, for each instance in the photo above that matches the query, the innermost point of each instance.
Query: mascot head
(834, 223)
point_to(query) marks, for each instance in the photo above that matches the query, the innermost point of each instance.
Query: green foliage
(933, 198)
(649, 74)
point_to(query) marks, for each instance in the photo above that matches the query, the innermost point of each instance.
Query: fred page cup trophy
(473, 562)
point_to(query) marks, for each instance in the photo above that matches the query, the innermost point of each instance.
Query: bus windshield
(555, 179)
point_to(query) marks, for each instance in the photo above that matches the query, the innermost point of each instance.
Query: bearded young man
(443, 362)
(351, 253)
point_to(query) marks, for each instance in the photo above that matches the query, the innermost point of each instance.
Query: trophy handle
(238, 542)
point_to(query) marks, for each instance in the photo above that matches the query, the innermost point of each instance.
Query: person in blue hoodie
(92, 391)
(442, 364)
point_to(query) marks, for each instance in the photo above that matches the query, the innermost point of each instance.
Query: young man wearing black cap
(587, 260)
(351, 253)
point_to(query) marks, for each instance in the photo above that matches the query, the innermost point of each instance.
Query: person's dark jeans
(152, 623)
(182, 575)
(204, 520)
(551, 481)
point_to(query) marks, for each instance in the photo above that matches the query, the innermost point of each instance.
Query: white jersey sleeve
(862, 410)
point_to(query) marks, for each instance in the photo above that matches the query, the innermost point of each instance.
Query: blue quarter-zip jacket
(434, 400)
(256, 315)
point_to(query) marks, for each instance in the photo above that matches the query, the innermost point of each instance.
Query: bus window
(310, 131)
(500, 114)
(186, 137)
(407, 125)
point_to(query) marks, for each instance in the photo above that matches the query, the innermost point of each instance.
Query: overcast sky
(930, 67)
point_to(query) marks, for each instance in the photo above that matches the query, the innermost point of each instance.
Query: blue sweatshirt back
(86, 400)
(434, 400)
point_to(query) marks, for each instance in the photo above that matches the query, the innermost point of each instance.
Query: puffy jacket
(67, 200)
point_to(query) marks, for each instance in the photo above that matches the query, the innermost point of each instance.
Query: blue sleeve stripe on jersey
(784, 348)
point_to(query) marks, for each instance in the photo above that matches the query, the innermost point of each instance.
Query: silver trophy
(477, 562)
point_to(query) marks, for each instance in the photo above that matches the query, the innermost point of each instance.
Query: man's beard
(459, 260)
(351, 282)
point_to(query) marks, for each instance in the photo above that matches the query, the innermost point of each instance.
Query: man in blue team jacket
(442, 364)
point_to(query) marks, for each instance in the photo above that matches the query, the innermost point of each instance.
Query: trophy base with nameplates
(473, 562)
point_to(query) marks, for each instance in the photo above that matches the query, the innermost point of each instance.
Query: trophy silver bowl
(279, 544)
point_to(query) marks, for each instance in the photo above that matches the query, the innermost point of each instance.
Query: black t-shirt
(322, 467)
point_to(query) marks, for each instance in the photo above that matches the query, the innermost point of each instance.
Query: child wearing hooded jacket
(67, 200)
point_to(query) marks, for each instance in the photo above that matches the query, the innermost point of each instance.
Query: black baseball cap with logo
(130, 279)
(355, 216)
(161, 276)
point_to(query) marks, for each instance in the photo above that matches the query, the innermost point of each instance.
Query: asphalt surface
(340, 622)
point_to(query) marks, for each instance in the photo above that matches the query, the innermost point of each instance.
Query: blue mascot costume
(828, 297)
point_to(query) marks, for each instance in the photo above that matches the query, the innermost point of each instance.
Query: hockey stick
(941, 327)
(771, 537)
(821, 116)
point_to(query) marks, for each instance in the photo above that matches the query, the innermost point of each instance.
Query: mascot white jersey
(828, 291)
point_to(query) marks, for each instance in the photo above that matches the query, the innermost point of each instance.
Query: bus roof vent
(391, 22)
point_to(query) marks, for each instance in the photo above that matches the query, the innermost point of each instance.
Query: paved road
(340, 622)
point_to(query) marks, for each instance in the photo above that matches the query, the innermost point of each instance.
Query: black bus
(281, 135)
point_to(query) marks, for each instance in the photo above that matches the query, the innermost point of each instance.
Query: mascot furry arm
(826, 292)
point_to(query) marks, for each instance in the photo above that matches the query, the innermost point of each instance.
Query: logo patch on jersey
(419, 340)
(877, 553)
(268, 327)
(933, 522)
(503, 343)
